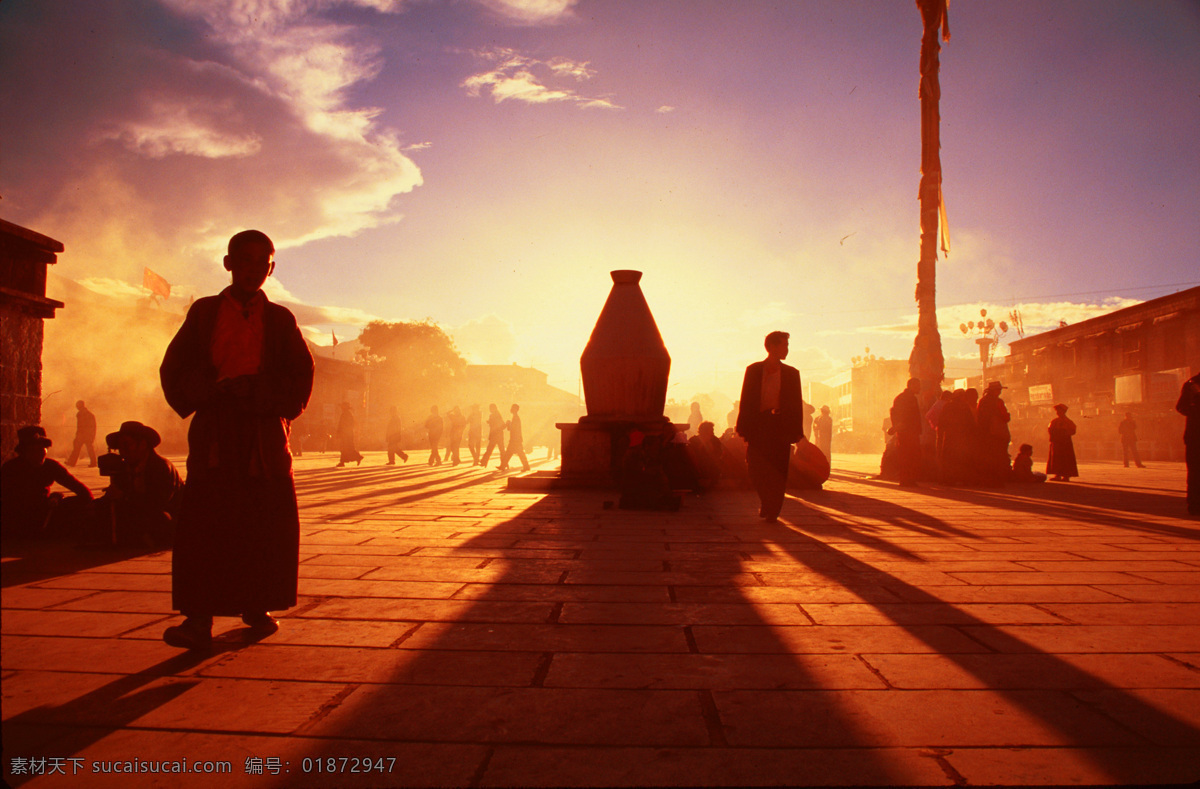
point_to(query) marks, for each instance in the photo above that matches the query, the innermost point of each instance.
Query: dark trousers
(1129, 450)
(77, 447)
(494, 442)
(767, 463)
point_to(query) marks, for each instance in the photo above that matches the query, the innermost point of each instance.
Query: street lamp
(989, 333)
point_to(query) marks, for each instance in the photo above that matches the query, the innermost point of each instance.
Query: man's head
(825, 410)
(515, 408)
(134, 441)
(79, 405)
(250, 260)
(32, 443)
(914, 385)
(1129, 415)
(994, 387)
(777, 344)
(707, 429)
(1026, 449)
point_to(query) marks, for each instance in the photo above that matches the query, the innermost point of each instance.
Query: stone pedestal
(592, 451)
(625, 367)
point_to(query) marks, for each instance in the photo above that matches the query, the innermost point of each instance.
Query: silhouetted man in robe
(992, 418)
(241, 366)
(771, 419)
(906, 422)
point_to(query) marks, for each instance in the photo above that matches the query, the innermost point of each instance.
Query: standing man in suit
(771, 419)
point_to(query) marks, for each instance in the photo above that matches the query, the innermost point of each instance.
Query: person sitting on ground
(1022, 466)
(733, 459)
(142, 502)
(644, 482)
(707, 455)
(677, 460)
(30, 509)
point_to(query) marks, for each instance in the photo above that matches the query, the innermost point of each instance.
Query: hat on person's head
(32, 436)
(995, 385)
(1060, 407)
(135, 430)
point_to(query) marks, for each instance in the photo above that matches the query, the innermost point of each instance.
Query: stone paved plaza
(453, 633)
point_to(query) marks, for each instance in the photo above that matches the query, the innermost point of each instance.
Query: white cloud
(664, 109)
(532, 12)
(255, 128)
(526, 79)
(170, 126)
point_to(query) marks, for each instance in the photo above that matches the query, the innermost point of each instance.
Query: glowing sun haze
(487, 163)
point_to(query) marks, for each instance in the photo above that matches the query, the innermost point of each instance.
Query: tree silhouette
(413, 364)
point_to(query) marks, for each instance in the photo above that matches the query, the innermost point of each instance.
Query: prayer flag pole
(926, 361)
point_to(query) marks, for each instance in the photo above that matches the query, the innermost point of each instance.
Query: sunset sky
(486, 163)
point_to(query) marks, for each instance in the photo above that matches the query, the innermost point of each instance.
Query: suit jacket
(751, 424)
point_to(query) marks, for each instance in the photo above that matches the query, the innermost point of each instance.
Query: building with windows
(1134, 360)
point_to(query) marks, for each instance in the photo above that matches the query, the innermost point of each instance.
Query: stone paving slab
(454, 634)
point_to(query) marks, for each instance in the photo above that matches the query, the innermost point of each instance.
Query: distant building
(1132, 360)
(859, 400)
(24, 257)
(335, 381)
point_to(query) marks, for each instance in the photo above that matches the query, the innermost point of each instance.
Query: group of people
(963, 439)
(240, 368)
(444, 433)
(138, 507)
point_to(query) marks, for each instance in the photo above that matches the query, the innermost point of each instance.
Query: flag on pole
(334, 338)
(155, 284)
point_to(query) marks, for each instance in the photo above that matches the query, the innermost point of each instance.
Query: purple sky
(487, 163)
